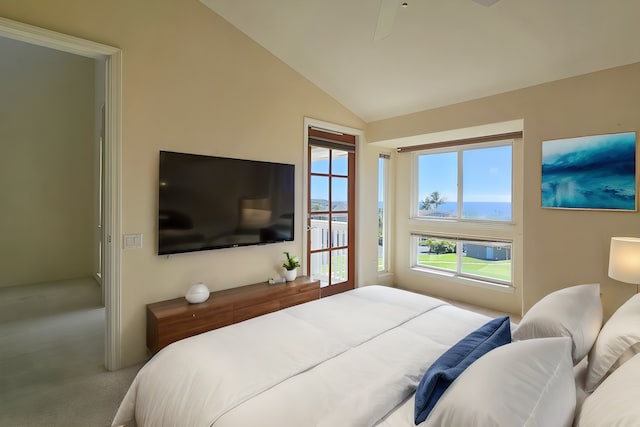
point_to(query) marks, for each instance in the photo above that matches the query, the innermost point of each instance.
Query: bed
(357, 359)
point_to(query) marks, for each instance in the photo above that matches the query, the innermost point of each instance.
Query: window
(463, 215)
(467, 183)
(383, 212)
(483, 260)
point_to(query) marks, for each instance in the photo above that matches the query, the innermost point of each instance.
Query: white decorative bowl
(197, 293)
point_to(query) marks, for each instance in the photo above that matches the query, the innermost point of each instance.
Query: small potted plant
(290, 267)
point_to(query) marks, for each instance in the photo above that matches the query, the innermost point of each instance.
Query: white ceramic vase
(290, 275)
(197, 293)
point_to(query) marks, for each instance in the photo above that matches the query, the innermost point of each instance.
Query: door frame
(331, 127)
(112, 199)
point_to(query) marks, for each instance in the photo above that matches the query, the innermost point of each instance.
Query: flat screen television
(210, 202)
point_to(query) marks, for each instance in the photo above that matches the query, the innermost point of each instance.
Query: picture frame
(596, 172)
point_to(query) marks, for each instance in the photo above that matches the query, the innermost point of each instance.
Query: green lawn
(491, 269)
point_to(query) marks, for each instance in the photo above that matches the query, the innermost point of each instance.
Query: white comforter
(346, 360)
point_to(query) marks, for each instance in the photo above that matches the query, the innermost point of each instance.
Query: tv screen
(215, 202)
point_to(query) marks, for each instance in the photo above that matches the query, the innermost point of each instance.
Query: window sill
(467, 281)
(462, 229)
(458, 222)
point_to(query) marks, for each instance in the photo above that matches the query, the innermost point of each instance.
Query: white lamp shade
(624, 259)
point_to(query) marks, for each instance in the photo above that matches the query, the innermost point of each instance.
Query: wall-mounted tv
(210, 202)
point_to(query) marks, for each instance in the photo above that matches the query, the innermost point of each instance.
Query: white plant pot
(290, 275)
(197, 293)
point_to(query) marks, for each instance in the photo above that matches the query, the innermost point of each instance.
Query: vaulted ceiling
(438, 52)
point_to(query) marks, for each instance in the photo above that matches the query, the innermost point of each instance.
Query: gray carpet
(52, 357)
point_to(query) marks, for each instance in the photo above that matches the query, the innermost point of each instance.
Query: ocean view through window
(463, 212)
(495, 211)
(465, 182)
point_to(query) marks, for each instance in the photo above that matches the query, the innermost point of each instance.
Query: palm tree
(436, 199)
(426, 203)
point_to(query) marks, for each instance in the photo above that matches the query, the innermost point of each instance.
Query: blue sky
(487, 172)
(487, 175)
(320, 185)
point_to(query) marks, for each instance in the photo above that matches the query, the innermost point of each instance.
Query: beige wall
(46, 135)
(192, 83)
(561, 247)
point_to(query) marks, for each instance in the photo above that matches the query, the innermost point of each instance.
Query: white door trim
(112, 168)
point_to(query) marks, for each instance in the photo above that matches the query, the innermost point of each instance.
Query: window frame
(459, 149)
(459, 273)
(385, 159)
(465, 229)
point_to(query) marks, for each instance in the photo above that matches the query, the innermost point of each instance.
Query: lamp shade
(624, 259)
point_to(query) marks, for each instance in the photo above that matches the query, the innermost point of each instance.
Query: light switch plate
(133, 241)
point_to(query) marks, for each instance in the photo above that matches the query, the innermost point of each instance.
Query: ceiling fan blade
(486, 2)
(386, 17)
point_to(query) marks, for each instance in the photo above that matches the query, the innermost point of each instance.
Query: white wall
(46, 134)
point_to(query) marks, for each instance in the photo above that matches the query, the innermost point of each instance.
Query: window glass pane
(320, 267)
(339, 230)
(438, 185)
(339, 191)
(491, 260)
(486, 185)
(319, 233)
(339, 162)
(319, 159)
(319, 193)
(339, 270)
(382, 178)
(437, 253)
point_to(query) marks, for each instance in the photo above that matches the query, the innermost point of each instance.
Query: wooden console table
(172, 320)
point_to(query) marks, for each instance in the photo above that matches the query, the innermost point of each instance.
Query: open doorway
(108, 60)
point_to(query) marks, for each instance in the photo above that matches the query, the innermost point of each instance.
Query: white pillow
(525, 383)
(615, 401)
(574, 312)
(619, 340)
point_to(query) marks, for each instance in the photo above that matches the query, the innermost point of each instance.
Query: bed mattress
(348, 360)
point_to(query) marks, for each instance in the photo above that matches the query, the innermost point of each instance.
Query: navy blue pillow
(454, 361)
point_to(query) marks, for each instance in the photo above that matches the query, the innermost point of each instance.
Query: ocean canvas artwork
(590, 172)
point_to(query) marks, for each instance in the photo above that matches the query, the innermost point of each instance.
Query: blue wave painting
(591, 172)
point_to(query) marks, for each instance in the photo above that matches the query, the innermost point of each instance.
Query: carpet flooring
(52, 357)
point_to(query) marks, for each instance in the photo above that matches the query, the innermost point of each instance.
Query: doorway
(330, 227)
(111, 253)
